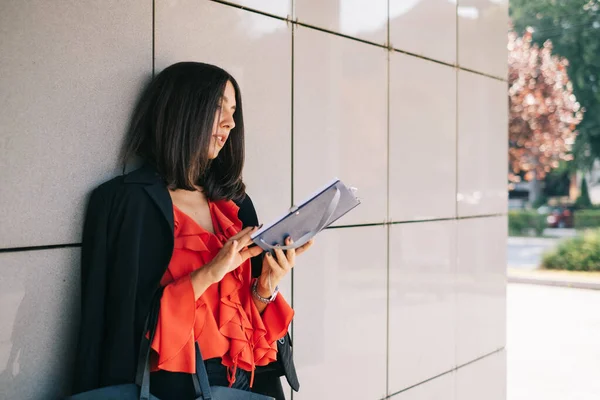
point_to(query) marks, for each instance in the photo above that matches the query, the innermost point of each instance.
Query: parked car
(560, 217)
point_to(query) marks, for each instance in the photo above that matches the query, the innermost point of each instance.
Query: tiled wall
(404, 297)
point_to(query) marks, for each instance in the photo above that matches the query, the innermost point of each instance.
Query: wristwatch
(258, 297)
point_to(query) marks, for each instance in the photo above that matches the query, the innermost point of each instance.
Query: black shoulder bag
(140, 390)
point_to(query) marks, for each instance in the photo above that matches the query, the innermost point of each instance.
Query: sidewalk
(552, 343)
(572, 279)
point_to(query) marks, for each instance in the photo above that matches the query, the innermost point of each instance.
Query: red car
(561, 217)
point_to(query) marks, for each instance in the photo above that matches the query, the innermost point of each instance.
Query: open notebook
(304, 221)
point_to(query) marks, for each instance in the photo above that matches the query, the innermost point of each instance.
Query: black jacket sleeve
(93, 288)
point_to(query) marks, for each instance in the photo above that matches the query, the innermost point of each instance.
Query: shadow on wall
(39, 299)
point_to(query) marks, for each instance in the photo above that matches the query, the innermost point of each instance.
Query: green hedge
(586, 219)
(521, 222)
(581, 253)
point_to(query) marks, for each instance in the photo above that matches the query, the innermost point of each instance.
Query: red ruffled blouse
(224, 320)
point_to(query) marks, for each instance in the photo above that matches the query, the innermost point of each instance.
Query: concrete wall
(406, 100)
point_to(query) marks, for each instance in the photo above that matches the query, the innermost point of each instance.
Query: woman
(177, 222)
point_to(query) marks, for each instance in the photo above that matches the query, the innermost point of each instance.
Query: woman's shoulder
(128, 187)
(116, 188)
(243, 201)
(247, 211)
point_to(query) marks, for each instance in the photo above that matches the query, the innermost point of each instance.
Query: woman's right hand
(232, 255)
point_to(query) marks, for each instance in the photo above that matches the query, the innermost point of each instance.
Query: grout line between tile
(292, 92)
(455, 290)
(447, 372)
(153, 37)
(293, 10)
(388, 138)
(456, 136)
(388, 230)
(456, 142)
(307, 25)
(387, 317)
(292, 38)
(456, 122)
(417, 221)
(482, 216)
(249, 9)
(482, 74)
(389, 43)
(316, 28)
(38, 248)
(69, 245)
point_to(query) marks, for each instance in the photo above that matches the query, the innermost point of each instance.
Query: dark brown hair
(171, 130)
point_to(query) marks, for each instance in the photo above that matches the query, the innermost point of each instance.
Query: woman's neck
(190, 196)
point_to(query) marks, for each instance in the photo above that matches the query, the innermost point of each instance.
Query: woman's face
(223, 121)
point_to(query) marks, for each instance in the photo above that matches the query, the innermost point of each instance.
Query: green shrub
(581, 253)
(521, 222)
(586, 219)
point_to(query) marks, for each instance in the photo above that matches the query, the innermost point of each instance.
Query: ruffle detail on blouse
(224, 320)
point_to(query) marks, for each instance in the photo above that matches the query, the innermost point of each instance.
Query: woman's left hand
(277, 266)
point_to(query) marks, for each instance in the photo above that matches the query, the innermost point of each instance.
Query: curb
(554, 282)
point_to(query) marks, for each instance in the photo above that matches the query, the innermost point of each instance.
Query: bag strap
(142, 377)
(200, 378)
(312, 233)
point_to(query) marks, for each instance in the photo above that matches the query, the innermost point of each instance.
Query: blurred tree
(573, 26)
(543, 111)
(558, 181)
(583, 201)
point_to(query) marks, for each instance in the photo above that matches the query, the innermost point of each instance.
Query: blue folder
(304, 221)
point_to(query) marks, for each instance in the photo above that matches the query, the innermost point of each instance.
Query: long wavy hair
(171, 129)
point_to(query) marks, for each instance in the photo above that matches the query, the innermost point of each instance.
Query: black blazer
(128, 239)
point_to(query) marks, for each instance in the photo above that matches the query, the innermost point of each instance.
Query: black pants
(179, 386)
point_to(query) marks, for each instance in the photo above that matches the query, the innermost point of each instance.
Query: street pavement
(552, 347)
(526, 252)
